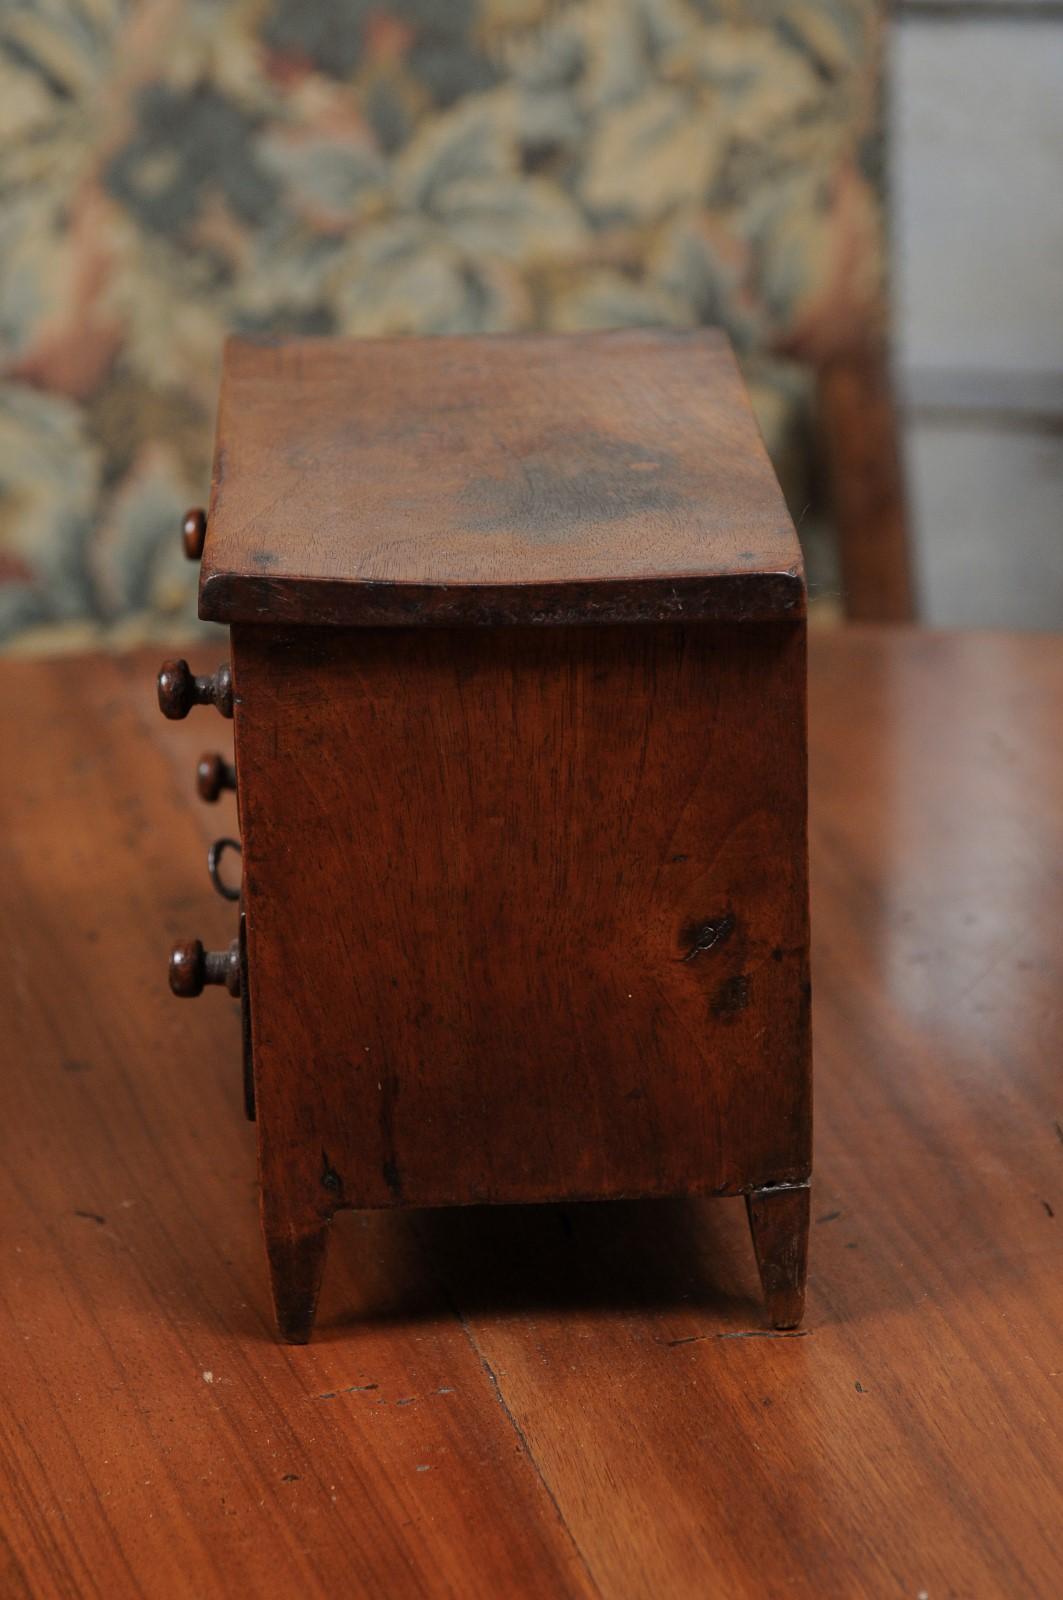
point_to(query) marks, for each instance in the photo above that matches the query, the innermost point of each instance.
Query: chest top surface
(489, 480)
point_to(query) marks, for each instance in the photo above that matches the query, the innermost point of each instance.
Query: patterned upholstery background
(171, 170)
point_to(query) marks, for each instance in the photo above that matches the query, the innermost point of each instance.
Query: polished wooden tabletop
(545, 1401)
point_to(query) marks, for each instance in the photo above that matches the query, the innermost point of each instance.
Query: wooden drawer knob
(194, 532)
(192, 968)
(213, 774)
(180, 690)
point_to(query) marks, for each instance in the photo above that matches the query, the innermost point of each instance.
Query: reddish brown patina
(518, 681)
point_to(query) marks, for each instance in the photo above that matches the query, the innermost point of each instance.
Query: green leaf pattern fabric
(175, 170)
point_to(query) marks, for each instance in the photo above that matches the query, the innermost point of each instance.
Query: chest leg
(778, 1221)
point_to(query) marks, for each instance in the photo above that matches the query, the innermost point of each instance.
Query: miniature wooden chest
(518, 686)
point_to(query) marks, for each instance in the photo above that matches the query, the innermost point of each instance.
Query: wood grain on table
(545, 1401)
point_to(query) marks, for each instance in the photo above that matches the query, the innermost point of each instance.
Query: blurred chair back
(173, 170)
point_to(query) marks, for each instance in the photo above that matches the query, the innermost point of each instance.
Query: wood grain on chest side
(527, 910)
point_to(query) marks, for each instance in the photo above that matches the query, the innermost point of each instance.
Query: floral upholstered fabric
(173, 170)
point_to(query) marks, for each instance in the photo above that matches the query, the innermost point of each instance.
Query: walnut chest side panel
(527, 911)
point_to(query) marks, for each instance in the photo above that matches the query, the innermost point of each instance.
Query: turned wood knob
(193, 532)
(192, 968)
(213, 774)
(180, 690)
